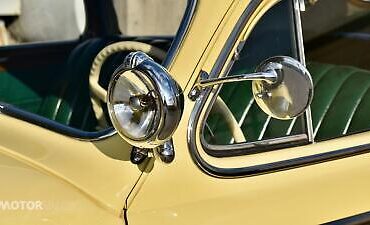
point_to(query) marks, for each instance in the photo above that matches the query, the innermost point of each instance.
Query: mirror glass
(290, 95)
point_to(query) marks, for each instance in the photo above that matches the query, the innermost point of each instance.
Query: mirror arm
(269, 76)
(282, 87)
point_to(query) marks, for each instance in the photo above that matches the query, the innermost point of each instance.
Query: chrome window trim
(257, 146)
(253, 147)
(302, 59)
(195, 119)
(81, 135)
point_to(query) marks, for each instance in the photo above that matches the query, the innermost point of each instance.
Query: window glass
(40, 20)
(337, 44)
(149, 17)
(48, 84)
(273, 35)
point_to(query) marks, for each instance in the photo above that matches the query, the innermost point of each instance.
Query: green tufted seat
(341, 100)
(340, 106)
(59, 92)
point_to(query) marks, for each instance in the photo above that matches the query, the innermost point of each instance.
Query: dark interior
(51, 80)
(47, 83)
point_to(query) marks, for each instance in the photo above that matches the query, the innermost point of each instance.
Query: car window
(40, 21)
(337, 44)
(273, 35)
(52, 84)
(149, 17)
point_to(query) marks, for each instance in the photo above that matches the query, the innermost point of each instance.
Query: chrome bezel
(169, 102)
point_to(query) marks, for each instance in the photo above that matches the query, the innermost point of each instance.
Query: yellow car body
(94, 182)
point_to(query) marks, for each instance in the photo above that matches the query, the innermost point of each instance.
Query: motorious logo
(21, 205)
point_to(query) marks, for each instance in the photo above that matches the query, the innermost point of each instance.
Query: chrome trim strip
(302, 58)
(238, 149)
(35, 119)
(280, 165)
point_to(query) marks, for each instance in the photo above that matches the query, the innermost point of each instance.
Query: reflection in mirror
(244, 121)
(290, 94)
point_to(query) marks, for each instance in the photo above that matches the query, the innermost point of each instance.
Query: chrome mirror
(290, 94)
(282, 86)
(144, 103)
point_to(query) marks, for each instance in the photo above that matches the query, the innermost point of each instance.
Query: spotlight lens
(133, 107)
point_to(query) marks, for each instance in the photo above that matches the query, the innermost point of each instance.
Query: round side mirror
(144, 103)
(290, 94)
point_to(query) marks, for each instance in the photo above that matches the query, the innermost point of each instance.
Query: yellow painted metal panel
(180, 193)
(49, 200)
(96, 177)
(205, 21)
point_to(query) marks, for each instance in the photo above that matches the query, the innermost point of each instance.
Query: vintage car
(255, 112)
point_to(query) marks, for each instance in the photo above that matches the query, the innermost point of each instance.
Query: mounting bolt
(138, 155)
(166, 152)
(194, 93)
(236, 55)
(196, 90)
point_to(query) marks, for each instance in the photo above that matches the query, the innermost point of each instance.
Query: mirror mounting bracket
(269, 75)
(165, 152)
(196, 90)
(281, 86)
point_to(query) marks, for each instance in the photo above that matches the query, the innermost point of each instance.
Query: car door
(284, 172)
(52, 171)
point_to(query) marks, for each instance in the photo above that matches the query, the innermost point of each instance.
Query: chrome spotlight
(144, 103)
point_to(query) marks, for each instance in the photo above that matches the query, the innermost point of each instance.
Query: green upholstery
(58, 92)
(26, 88)
(341, 100)
(339, 107)
(16, 92)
